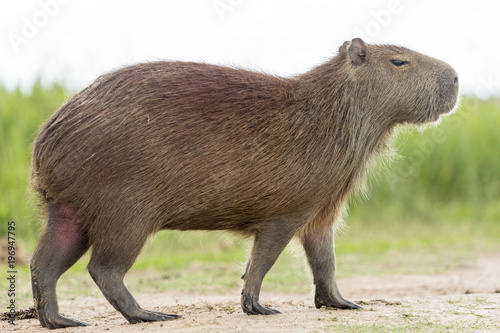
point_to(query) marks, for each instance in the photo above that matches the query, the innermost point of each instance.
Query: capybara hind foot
(251, 306)
(110, 281)
(63, 242)
(141, 315)
(332, 301)
(58, 321)
(175, 316)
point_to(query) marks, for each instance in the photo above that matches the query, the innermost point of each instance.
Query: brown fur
(177, 145)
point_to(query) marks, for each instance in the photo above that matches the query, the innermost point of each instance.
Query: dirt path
(464, 299)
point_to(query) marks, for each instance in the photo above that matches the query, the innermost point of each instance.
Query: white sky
(74, 41)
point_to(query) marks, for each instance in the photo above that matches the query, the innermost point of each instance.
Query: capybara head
(415, 88)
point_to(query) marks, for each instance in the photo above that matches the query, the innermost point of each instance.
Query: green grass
(432, 207)
(21, 115)
(456, 161)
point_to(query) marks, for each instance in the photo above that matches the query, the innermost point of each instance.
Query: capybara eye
(399, 63)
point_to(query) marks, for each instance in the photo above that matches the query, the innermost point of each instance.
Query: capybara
(192, 146)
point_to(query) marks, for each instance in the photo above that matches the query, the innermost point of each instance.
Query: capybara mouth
(451, 106)
(453, 92)
(450, 96)
(450, 109)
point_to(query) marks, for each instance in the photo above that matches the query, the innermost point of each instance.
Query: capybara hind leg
(61, 245)
(108, 265)
(319, 248)
(268, 245)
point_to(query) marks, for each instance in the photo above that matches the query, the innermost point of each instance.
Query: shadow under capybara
(190, 146)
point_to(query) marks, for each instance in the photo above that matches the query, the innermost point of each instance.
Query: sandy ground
(465, 299)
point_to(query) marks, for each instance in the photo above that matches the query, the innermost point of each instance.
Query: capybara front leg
(61, 245)
(268, 245)
(319, 248)
(108, 265)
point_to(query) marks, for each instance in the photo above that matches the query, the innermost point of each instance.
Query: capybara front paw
(252, 307)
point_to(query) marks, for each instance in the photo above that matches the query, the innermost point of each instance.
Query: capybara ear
(344, 47)
(357, 51)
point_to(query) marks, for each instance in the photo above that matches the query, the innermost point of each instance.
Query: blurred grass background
(433, 206)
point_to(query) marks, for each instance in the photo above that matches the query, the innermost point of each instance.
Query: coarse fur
(190, 146)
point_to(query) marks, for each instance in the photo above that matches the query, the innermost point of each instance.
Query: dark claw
(172, 315)
(61, 322)
(252, 307)
(145, 315)
(332, 302)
